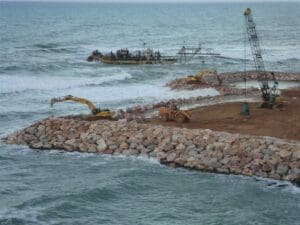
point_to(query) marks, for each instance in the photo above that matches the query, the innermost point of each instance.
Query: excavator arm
(94, 110)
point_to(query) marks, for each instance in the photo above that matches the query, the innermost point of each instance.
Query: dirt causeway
(263, 122)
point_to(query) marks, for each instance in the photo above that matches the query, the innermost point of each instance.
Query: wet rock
(38, 145)
(101, 145)
(92, 148)
(171, 157)
(282, 169)
(200, 149)
(213, 162)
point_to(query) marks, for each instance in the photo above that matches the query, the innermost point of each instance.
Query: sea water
(43, 51)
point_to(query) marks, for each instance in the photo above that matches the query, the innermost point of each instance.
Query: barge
(124, 56)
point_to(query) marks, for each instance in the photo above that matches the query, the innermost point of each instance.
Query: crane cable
(245, 60)
(245, 106)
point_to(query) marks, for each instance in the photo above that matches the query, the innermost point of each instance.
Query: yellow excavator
(196, 79)
(173, 113)
(96, 113)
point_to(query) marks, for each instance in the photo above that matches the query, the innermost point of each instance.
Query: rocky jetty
(199, 149)
(223, 81)
(230, 77)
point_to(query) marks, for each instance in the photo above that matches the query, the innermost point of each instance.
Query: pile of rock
(183, 83)
(199, 149)
(231, 77)
(226, 79)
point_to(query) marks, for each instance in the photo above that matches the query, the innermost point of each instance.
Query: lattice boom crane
(270, 95)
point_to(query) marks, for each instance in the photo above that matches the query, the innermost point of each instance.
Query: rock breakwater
(199, 149)
(231, 77)
(227, 79)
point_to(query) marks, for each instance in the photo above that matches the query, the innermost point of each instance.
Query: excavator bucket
(187, 114)
(53, 101)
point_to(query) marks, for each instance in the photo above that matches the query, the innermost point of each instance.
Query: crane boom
(268, 94)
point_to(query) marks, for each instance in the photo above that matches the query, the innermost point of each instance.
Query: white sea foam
(132, 158)
(119, 95)
(148, 160)
(136, 94)
(19, 83)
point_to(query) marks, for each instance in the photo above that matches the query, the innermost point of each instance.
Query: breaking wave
(14, 85)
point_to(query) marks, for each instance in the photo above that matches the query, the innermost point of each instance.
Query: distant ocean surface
(43, 50)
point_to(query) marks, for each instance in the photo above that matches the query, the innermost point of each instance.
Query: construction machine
(270, 95)
(96, 113)
(198, 77)
(173, 113)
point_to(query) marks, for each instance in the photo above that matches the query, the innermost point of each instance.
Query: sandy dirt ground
(263, 122)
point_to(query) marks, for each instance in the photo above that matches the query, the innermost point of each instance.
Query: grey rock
(180, 147)
(133, 145)
(284, 153)
(210, 147)
(92, 148)
(31, 130)
(112, 146)
(171, 157)
(124, 145)
(219, 146)
(282, 169)
(71, 142)
(213, 162)
(101, 145)
(294, 171)
(296, 155)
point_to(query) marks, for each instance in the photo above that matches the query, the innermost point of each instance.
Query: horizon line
(155, 1)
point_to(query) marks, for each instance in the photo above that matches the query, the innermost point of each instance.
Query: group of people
(122, 53)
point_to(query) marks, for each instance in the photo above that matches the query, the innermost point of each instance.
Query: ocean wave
(20, 114)
(107, 80)
(14, 93)
(293, 59)
(9, 68)
(15, 216)
(282, 185)
(48, 48)
(16, 220)
(35, 68)
(48, 45)
(14, 85)
(96, 194)
(59, 50)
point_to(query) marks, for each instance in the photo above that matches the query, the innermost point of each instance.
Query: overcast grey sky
(149, 1)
